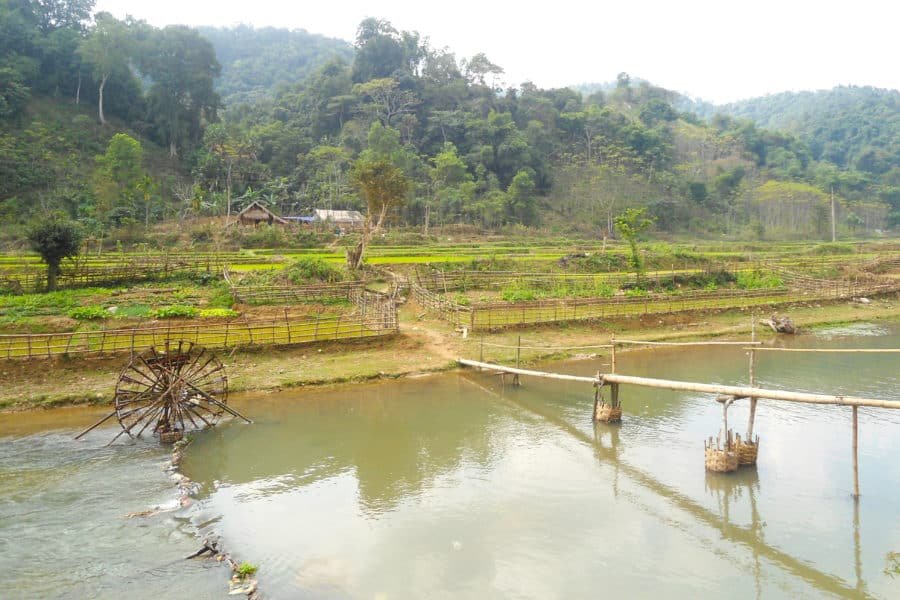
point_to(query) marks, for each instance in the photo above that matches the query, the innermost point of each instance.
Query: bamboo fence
(374, 315)
(275, 294)
(89, 271)
(230, 334)
(430, 289)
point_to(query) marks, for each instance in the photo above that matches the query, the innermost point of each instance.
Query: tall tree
(380, 51)
(182, 66)
(108, 50)
(59, 14)
(386, 100)
(232, 153)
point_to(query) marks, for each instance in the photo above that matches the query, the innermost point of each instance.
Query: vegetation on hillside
(256, 62)
(119, 124)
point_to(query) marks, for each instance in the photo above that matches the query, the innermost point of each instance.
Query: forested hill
(848, 126)
(255, 62)
(91, 105)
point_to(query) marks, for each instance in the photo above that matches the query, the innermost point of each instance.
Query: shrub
(757, 280)
(175, 311)
(518, 292)
(311, 268)
(203, 234)
(89, 313)
(221, 298)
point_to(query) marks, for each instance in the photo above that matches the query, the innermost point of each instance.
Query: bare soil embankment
(423, 345)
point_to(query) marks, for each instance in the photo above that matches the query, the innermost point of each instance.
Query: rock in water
(780, 324)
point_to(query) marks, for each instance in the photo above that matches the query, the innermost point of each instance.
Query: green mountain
(255, 62)
(120, 124)
(848, 126)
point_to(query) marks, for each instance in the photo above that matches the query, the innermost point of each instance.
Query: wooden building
(255, 213)
(343, 219)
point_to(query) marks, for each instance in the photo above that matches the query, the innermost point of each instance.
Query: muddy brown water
(455, 486)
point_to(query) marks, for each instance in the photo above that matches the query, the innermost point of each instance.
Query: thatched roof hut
(256, 213)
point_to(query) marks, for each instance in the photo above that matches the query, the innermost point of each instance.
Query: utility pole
(427, 215)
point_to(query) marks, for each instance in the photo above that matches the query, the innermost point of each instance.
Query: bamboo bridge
(724, 394)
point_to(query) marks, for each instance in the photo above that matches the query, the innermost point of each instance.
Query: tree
(54, 240)
(13, 94)
(62, 14)
(107, 50)
(630, 224)
(520, 198)
(119, 178)
(235, 154)
(478, 67)
(182, 66)
(380, 51)
(383, 187)
(387, 99)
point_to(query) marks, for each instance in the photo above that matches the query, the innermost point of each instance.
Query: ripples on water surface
(456, 487)
(63, 526)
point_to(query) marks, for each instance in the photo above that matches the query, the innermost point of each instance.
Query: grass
(246, 570)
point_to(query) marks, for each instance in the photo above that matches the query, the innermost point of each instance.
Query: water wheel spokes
(168, 391)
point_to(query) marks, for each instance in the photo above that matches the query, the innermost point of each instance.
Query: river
(455, 486)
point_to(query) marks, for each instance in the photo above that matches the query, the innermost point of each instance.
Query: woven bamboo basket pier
(607, 413)
(747, 451)
(721, 458)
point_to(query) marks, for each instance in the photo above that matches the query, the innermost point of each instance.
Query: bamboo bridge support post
(518, 358)
(856, 453)
(597, 396)
(603, 412)
(752, 369)
(612, 366)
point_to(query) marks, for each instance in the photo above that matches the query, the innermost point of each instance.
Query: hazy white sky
(714, 49)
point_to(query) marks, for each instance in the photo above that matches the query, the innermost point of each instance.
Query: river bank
(424, 345)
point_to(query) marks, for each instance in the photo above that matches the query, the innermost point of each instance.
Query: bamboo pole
(834, 350)
(752, 377)
(856, 452)
(612, 342)
(518, 357)
(689, 386)
(95, 425)
(711, 343)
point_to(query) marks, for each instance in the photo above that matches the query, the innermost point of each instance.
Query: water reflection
(393, 454)
(460, 486)
(726, 489)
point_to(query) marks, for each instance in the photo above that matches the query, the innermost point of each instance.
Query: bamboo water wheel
(169, 390)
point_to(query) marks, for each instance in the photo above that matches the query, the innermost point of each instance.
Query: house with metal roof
(345, 219)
